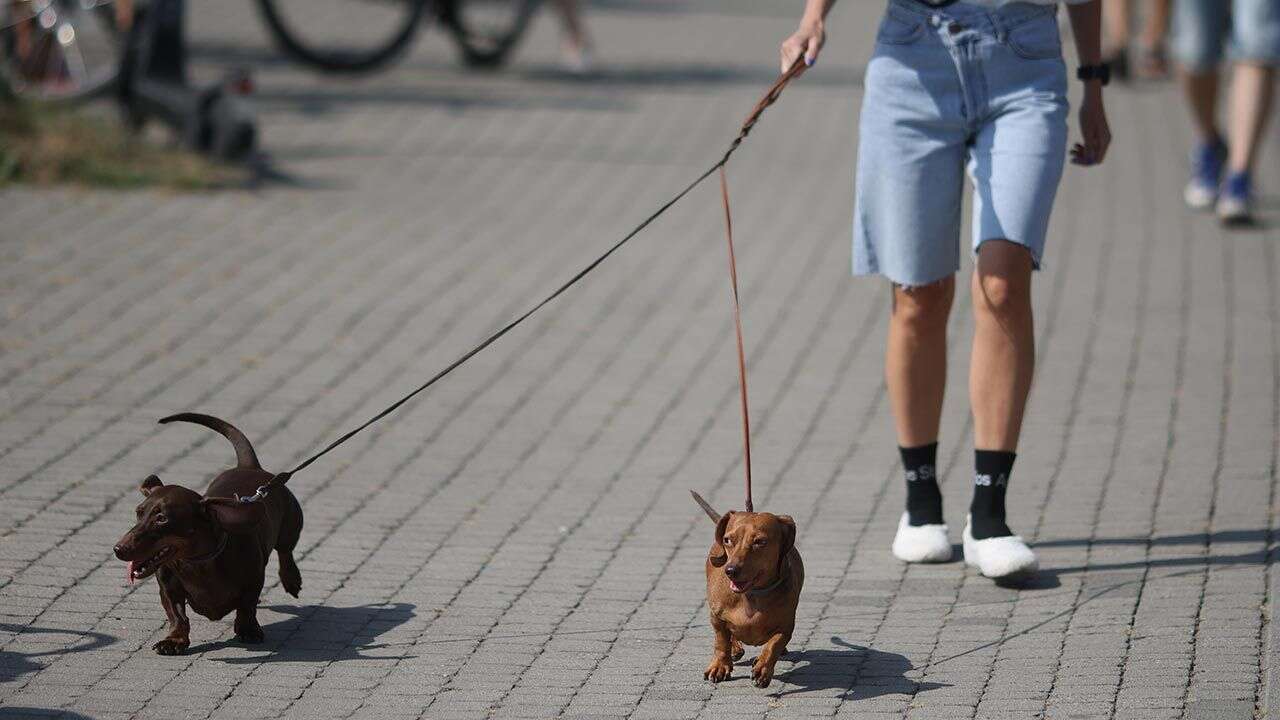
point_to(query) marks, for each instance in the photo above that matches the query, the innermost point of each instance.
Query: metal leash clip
(260, 493)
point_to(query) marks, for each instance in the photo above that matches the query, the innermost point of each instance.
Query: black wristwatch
(1095, 72)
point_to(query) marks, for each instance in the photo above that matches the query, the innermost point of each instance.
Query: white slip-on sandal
(999, 557)
(921, 543)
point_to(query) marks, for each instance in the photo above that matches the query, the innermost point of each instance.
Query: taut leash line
(769, 98)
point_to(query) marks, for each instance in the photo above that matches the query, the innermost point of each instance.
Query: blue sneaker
(1206, 175)
(1236, 199)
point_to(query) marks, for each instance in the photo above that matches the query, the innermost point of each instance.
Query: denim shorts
(949, 88)
(1201, 29)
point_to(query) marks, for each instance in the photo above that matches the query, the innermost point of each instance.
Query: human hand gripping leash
(770, 97)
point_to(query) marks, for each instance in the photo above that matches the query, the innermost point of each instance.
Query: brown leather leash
(770, 97)
(737, 326)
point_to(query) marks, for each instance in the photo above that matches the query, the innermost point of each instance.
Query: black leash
(768, 99)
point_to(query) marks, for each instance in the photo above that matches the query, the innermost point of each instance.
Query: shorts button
(954, 28)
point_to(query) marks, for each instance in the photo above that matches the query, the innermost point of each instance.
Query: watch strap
(1094, 72)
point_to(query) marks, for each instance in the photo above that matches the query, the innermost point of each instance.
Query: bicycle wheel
(487, 30)
(59, 49)
(343, 35)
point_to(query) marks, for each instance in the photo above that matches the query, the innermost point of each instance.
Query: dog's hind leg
(286, 541)
(738, 650)
(246, 625)
(247, 628)
(290, 575)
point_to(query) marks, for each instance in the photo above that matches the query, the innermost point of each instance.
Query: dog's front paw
(171, 646)
(719, 669)
(251, 635)
(762, 674)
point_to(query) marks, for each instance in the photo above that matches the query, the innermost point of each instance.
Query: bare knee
(1001, 295)
(1002, 280)
(925, 307)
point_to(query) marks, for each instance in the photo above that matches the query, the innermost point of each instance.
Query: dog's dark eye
(760, 543)
(728, 540)
(161, 519)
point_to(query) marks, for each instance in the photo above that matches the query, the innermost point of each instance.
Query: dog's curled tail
(246, 458)
(706, 507)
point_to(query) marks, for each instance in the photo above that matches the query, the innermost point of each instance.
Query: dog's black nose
(732, 570)
(119, 550)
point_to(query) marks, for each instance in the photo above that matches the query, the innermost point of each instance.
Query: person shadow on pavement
(318, 633)
(858, 672)
(1251, 548)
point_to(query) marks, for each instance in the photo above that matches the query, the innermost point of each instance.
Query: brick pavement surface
(519, 542)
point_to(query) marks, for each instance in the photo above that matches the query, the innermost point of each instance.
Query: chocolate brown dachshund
(211, 552)
(754, 576)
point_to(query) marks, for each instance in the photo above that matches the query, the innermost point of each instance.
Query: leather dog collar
(782, 578)
(222, 545)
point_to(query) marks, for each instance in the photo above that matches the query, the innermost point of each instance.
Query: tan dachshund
(754, 576)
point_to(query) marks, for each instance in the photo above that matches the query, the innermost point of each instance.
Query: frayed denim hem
(1035, 256)
(907, 285)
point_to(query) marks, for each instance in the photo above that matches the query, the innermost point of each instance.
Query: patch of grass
(49, 145)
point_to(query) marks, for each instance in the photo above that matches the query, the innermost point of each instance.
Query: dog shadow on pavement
(860, 672)
(15, 664)
(319, 633)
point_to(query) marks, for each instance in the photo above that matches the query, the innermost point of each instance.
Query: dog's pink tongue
(128, 573)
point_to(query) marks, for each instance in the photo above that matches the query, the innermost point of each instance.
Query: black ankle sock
(924, 500)
(991, 479)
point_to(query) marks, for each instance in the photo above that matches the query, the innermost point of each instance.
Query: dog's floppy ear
(232, 515)
(788, 539)
(150, 485)
(718, 555)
